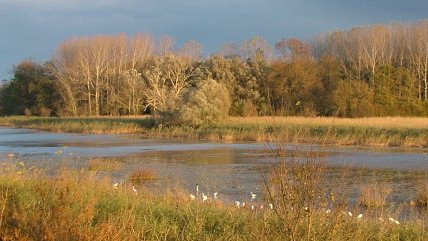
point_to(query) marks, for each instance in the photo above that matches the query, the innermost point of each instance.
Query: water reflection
(232, 169)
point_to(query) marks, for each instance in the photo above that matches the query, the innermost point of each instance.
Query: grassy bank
(83, 206)
(394, 131)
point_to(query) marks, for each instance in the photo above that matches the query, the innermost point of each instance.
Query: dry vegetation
(99, 164)
(422, 197)
(83, 206)
(375, 195)
(384, 131)
(142, 175)
(380, 122)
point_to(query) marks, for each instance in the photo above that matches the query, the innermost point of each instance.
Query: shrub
(207, 103)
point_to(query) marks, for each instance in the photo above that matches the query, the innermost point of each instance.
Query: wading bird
(204, 197)
(135, 190)
(215, 195)
(116, 186)
(192, 197)
(253, 196)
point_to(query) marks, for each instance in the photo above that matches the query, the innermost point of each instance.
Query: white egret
(243, 205)
(237, 203)
(360, 216)
(135, 190)
(215, 195)
(192, 197)
(350, 214)
(328, 211)
(116, 186)
(253, 196)
(270, 205)
(197, 189)
(252, 207)
(204, 197)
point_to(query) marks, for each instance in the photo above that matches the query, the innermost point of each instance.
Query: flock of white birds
(253, 196)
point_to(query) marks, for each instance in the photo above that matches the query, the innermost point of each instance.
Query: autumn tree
(32, 90)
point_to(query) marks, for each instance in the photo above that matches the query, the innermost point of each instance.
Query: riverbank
(83, 206)
(391, 131)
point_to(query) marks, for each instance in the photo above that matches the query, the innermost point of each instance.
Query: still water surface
(232, 169)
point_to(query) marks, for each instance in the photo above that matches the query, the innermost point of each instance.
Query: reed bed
(385, 131)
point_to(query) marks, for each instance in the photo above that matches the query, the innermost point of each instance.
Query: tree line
(378, 70)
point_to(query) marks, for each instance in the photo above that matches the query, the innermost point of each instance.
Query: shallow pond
(232, 169)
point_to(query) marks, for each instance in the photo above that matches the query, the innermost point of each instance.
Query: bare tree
(293, 49)
(192, 50)
(250, 48)
(229, 50)
(166, 79)
(166, 46)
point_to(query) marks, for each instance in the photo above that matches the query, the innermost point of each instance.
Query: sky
(35, 28)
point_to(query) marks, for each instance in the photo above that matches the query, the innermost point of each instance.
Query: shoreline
(293, 130)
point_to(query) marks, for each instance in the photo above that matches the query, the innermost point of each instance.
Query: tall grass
(375, 195)
(83, 206)
(93, 125)
(387, 131)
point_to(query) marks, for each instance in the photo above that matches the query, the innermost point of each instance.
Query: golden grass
(374, 195)
(142, 175)
(83, 206)
(385, 131)
(383, 122)
(422, 194)
(99, 164)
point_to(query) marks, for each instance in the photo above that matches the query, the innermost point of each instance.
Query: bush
(243, 108)
(207, 103)
(353, 99)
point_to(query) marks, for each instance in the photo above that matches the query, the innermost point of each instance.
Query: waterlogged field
(125, 187)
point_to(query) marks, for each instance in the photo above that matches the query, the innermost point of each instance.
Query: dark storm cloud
(33, 28)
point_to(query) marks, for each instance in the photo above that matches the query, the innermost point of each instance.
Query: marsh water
(231, 169)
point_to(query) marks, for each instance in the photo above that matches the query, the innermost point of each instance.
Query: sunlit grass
(422, 194)
(384, 122)
(99, 164)
(385, 131)
(375, 194)
(113, 125)
(142, 175)
(78, 205)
